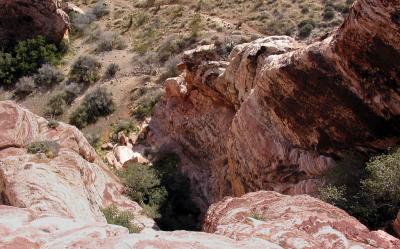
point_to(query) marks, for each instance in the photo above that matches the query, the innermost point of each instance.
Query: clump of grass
(121, 218)
(49, 148)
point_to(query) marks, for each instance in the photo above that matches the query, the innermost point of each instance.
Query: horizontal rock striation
(292, 222)
(277, 113)
(73, 183)
(24, 19)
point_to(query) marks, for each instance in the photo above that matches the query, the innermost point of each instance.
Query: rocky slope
(277, 113)
(32, 18)
(73, 183)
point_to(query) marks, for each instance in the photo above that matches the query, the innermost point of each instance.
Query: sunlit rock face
(73, 183)
(292, 222)
(23, 19)
(276, 114)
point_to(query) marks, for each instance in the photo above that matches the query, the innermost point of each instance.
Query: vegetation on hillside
(120, 218)
(164, 193)
(26, 58)
(368, 191)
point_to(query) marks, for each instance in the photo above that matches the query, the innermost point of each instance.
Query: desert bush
(170, 68)
(328, 13)
(126, 126)
(53, 124)
(112, 70)
(48, 75)
(143, 184)
(85, 70)
(24, 86)
(368, 191)
(26, 58)
(56, 105)
(305, 30)
(49, 148)
(96, 104)
(100, 9)
(195, 25)
(120, 218)
(144, 110)
(108, 41)
(94, 139)
(163, 191)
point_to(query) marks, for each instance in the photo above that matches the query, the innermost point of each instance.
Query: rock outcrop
(292, 222)
(74, 183)
(277, 113)
(23, 19)
(25, 228)
(255, 221)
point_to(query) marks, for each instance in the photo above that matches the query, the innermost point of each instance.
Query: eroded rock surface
(277, 113)
(292, 222)
(25, 228)
(23, 19)
(74, 183)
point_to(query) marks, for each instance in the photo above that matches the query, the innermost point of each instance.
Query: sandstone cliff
(74, 183)
(23, 19)
(277, 113)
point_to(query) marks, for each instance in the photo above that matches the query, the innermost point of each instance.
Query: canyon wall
(277, 114)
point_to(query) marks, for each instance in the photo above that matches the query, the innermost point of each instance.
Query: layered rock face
(75, 183)
(23, 19)
(282, 222)
(277, 114)
(25, 228)
(292, 222)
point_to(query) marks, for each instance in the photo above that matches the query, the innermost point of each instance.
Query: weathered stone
(23, 19)
(277, 113)
(292, 222)
(74, 182)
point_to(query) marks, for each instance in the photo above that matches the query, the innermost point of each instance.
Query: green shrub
(96, 104)
(85, 70)
(112, 70)
(124, 218)
(368, 191)
(26, 58)
(144, 110)
(56, 105)
(328, 13)
(8, 69)
(49, 148)
(48, 75)
(163, 191)
(305, 31)
(143, 184)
